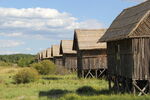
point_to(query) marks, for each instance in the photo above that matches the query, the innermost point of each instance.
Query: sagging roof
(56, 51)
(87, 39)
(66, 47)
(131, 23)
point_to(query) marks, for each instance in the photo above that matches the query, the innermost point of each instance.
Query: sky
(29, 26)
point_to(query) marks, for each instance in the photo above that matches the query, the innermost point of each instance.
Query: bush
(44, 67)
(26, 75)
(2, 63)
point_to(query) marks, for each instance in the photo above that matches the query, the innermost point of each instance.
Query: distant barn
(91, 55)
(48, 54)
(69, 55)
(57, 58)
(44, 55)
(128, 44)
(38, 56)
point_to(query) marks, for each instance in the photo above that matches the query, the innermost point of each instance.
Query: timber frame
(128, 50)
(91, 55)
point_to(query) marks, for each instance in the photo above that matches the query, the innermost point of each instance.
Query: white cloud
(11, 34)
(41, 19)
(38, 24)
(10, 43)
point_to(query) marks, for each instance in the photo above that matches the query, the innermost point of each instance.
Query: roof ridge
(90, 29)
(147, 13)
(137, 5)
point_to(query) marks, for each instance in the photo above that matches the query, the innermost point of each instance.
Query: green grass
(55, 87)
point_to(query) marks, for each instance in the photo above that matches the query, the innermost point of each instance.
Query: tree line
(19, 59)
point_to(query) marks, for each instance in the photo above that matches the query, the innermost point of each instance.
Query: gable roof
(131, 23)
(87, 39)
(44, 54)
(38, 55)
(48, 53)
(56, 51)
(66, 47)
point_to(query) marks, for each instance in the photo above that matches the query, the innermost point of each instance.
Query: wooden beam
(134, 84)
(101, 72)
(89, 73)
(143, 89)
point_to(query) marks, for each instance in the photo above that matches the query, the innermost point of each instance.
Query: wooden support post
(82, 74)
(89, 73)
(109, 82)
(149, 86)
(133, 87)
(140, 90)
(117, 84)
(101, 72)
(143, 89)
(96, 73)
(126, 85)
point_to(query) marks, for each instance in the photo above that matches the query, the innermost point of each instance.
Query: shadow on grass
(89, 91)
(51, 78)
(55, 93)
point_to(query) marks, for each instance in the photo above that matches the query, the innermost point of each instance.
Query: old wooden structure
(91, 55)
(57, 57)
(49, 54)
(69, 55)
(128, 49)
(38, 56)
(43, 55)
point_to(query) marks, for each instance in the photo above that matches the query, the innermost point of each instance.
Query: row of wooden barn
(123, 51)
(84, 55)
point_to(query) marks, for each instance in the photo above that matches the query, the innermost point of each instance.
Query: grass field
(55, 87)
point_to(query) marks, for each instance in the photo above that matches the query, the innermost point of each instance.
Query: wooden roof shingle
(44, 54)
(48, 53)
(66, 47)
(87, 39)
(55, 51)
(131, 23)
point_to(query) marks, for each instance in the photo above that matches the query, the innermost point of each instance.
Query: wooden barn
(91, 55)
(69, 55)
(43, 55)
(128, 49)
(48, 54)
(38, 58)
(57, 57)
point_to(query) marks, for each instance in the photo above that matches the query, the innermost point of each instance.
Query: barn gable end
(126, 24)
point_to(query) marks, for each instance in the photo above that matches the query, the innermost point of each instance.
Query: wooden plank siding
(129, 58)
(92, 59)
(58, 61)
(70, 61)
(69, 55)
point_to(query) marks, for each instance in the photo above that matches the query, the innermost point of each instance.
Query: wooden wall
(92, 59)
(141, 56)
(58, 61)
(70, 61)
(129, 58)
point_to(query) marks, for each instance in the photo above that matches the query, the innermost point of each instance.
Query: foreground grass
(54, 87)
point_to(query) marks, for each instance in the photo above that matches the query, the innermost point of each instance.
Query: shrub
(2, 63)
(44, 67)
(26, 75)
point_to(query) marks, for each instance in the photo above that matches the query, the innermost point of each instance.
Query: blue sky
(29, 26)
